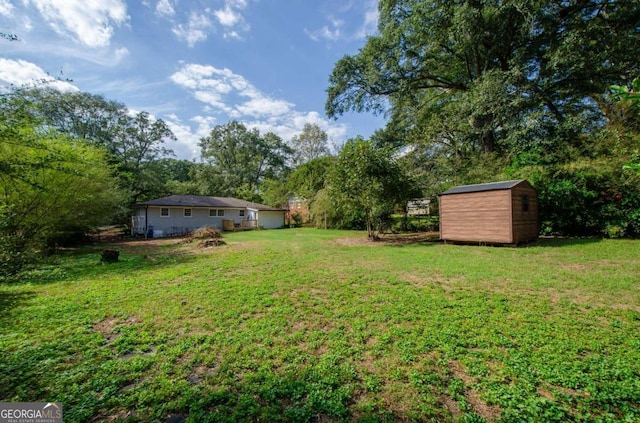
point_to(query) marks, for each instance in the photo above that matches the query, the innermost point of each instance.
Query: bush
(14, 254)
(587, 198)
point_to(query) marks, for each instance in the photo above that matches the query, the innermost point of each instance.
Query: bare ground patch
(489, 412)
(106, 327)
(388, 239)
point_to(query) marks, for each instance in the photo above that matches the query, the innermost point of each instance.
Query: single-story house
(499, 212)
(181, 214)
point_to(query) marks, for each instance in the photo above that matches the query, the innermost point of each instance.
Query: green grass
(311, 325)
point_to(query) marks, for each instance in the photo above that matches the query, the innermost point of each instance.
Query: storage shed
(499, 212)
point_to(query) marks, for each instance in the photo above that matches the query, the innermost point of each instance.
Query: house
(499, 212)
(181, 214)
(297, 210)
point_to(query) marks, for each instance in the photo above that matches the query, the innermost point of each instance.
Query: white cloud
(224, 91)
(197, 29)
(198, 24)
(88, 21)
(5, 8)
(228, 16)
(292, 124)
(260, 105)
(21, 72)
(121, 53)
(165, 8)
(232, 96)
(232, 19)
(370, 24)
(326, 33)
(186, 146)
(337, 29)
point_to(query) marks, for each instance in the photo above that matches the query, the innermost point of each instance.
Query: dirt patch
(451, 405)
(489, 412)
(107, 326)
(118, 416)
(388, 239)
(409, 238)
(199, 374)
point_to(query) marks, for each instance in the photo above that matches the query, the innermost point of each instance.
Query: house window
(525, 203)
(187, 212)
(220, 213)
(164, 212)
(241, 214)
(213, 212)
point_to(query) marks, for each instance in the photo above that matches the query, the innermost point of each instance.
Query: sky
(195, 63)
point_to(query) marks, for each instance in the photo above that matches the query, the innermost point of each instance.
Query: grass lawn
(312, 325)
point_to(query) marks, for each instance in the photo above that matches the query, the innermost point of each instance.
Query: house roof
(204, 201)
(492, 186)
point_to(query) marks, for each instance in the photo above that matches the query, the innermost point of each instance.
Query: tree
(240, 159)
(134, 142)
(309, 178)
(76, 114)
(494, 76)
(368, 179)
(52, 188)
(137, 147)
(630, 96)
(309, 145)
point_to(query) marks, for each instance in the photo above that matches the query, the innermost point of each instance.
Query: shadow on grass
(559, 242)
(410, 238)
(85, 262)
(11, 300)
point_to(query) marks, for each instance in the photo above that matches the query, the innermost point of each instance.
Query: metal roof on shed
(492, 186)
(204, 201)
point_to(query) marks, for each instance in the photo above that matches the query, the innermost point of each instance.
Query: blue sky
(195, 63)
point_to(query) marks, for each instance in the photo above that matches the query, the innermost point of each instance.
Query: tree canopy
(309, 145)
(133, 141)
(487, 75)
(240, 159)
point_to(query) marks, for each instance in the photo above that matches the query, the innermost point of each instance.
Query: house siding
(177, 224)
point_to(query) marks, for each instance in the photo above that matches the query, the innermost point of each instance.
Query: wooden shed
(499, 212)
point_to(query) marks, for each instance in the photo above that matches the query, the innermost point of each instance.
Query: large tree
(240, 159)
(134, 142)
(490, 76)
(310, 144)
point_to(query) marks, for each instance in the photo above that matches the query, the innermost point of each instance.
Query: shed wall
(525, 222)
(476, 216)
